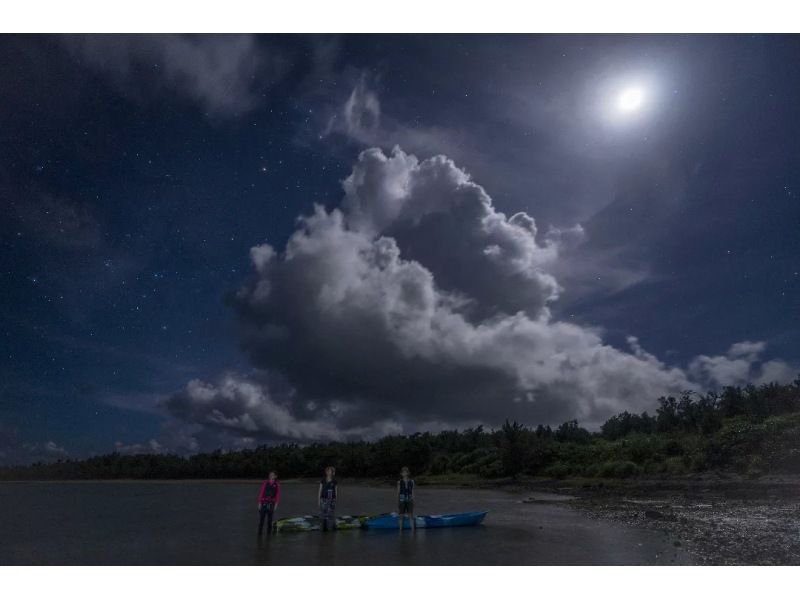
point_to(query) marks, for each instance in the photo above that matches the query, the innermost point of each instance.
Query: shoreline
(728, 485)
(719, 520)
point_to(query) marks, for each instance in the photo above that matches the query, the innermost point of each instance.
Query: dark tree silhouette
(752, 430)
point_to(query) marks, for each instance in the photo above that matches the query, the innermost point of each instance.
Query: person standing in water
(268, 500)
(327, 495)
(405, 499)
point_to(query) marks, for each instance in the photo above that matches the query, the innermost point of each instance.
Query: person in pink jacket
(268, 500)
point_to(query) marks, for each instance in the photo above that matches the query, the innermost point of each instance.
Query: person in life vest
(268, 500)
(405, 499)
(327, 495)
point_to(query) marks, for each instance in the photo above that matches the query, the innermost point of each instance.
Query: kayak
(390, 520)
(310, 523)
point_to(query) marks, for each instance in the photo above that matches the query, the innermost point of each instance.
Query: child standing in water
(405, 499)
(328, 493)
(268, 500)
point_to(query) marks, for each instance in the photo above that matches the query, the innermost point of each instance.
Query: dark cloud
(223, 73)
(246, 410)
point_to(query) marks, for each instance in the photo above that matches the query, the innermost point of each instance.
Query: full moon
(630, 99)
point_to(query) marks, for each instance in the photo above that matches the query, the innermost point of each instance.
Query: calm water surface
(199, 523)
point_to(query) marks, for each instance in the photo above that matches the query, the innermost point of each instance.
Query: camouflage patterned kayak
(310, 523)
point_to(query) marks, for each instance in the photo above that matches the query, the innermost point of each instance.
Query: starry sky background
(136, 173)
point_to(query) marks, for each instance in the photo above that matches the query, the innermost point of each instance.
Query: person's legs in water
(270, 509)
(323, 513)
(332, 516)
(328, 513)
(406, 509)
(262, 513)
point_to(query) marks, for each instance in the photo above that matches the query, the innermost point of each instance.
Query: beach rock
(654, 515)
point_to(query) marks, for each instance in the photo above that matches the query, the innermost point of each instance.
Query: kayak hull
(310, 523)
(391, 520)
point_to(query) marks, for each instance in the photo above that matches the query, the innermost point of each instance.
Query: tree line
(751, 430)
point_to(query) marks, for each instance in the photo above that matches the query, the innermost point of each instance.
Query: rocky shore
(719, 520)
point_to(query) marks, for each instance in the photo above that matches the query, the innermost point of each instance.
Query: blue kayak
(390, 521)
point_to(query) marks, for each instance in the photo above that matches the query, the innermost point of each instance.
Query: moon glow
(630, 99)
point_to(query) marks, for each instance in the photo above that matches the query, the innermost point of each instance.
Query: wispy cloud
(224, 74)
(56, 220)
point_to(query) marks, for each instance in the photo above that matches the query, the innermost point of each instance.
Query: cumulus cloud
(217, 71)
(417, 299)
(742, 365)
(14, 451)
(152, 446)
(45, 451)
(441, 219)
(247, 410)
(417, 305)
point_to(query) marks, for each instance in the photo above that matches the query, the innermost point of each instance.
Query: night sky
(609, 219)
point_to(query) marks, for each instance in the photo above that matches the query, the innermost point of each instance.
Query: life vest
(270, 491)
(406, 490)
(328, 491)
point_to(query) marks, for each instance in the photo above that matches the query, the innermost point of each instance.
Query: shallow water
(195, 523)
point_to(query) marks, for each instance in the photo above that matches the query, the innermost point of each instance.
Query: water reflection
(215, 523)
